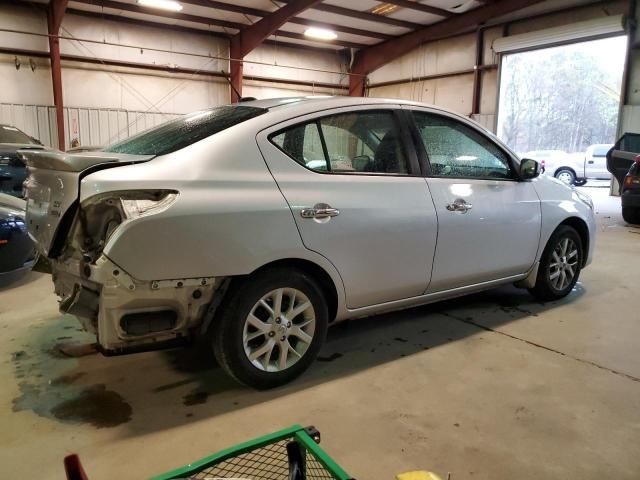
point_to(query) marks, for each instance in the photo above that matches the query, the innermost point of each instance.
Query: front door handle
(459, 205)
(320, 210)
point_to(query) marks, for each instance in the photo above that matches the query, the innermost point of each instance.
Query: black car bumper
(630, 199)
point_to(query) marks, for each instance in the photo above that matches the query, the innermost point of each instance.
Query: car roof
(328, 101)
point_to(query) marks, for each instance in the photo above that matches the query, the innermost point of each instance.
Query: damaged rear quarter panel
(229, 218)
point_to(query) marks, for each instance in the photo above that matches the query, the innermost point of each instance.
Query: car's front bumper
(125, 313)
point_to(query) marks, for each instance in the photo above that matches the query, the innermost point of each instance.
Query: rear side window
(184, 131)
(356, 142)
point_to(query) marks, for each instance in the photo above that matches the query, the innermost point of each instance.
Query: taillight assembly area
(632, 181)
(99, 216)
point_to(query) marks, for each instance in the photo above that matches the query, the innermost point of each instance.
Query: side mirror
(529, 169)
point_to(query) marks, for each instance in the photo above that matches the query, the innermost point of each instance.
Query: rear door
(622, 155)
(352, 180)
(488, 220)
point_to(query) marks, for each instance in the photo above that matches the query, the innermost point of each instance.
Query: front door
(488, 220)
(352, 180)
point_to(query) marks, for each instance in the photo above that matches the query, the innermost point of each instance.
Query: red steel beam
(249, 38)
(256, 12)
(372, 58)
(55, 12)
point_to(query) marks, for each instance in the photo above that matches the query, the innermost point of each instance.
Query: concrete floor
(492, 386)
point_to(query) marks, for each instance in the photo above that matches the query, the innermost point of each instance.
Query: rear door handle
(459, 205)
(319, 210)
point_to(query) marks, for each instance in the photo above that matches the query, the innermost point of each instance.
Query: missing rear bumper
(127, 314)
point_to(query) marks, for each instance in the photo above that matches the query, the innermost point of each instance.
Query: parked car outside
(255, 226)
(17, 250)
(623, 161)
(12, 170)
(574, 168)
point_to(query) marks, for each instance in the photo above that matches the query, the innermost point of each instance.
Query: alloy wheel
(279, 329)
(565, 177)
(564, 264)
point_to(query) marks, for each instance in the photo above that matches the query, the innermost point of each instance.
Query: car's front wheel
(631, 215)
(560, 265)
(566, 176)
(270, 328)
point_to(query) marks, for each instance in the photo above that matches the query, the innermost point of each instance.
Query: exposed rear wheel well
(581, 227)
(317, 273)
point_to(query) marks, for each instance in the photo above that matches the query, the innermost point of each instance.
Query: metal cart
(292, 454)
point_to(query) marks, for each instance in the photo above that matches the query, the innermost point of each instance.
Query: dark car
(623, 161)
(12, 170)
(17, 251)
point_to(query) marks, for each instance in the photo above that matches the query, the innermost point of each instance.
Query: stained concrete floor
(492, 386)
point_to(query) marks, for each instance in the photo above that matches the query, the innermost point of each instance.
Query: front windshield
(184, 131)
(13, 135)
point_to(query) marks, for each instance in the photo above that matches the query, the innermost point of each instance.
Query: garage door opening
(560, 104)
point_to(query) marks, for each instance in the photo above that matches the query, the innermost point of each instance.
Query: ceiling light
(163, 4)
(320, 33)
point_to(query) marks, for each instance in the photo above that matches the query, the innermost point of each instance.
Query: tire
(236, 335)
(631, 215)
(580, 182)
(566, 175)
(550, 283)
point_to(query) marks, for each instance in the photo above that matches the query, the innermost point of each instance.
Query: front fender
(560, 203)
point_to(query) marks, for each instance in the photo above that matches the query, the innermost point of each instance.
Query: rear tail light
(632, 181)
(103, 214)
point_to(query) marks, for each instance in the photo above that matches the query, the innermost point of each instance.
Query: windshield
(13, 135)
(184, 131)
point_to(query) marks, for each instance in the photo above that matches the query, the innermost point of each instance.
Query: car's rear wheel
(560, 265)
(270, 328)
(565, 175)
(631, 215)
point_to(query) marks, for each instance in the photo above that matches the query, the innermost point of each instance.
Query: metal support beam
(420, 7)
(372, 58)
(356, 85)
(235, 69)
(256, 12)
(55, 12)
(477, 74)
(249, 38)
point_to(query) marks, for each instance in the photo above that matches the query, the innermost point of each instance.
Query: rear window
(13, 135)
(184, 131)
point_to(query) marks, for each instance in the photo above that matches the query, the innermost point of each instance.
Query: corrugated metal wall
(89, 126)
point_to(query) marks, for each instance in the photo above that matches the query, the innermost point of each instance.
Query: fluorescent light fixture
(162, 4)
(320, 33)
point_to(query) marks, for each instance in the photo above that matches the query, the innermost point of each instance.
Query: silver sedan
(256, 226)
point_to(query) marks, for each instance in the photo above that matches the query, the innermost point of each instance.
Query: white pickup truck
(574, 168)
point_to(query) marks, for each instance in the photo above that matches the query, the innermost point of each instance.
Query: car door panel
(497, 238)
(488, 228)
(383, 239)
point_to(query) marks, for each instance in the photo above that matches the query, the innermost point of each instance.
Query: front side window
(357, 142)
(456, 150)
(184, 131)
